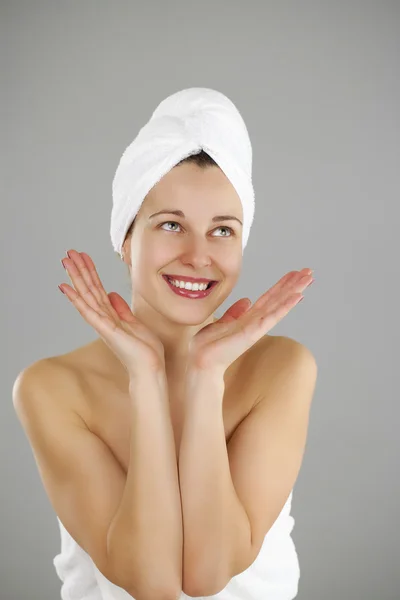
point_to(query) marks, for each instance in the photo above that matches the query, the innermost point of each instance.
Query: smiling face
(201, 239)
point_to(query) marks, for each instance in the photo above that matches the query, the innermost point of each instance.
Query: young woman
(170, 445)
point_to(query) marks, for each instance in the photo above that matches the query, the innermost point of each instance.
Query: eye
(165, 222)
(228, 229)
(232, 232)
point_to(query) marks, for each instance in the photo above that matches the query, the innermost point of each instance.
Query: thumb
(236, 310)
(121, 307)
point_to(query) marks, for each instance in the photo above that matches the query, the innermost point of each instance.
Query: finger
(273, 317)
(95, 279)
(86, 265)
(263, 321)
(73, 267)
(295, 286)
(285, 285)
(273, 290)
(84, 276)
(272, 306)
(121, 307)
(99, 320)
(82, 280)
(236, 310)
(100, 292)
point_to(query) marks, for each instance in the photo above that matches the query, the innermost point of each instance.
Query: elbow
(156, 584)
(199, 587)
(151, 587)
(147, 580)
(153, 594)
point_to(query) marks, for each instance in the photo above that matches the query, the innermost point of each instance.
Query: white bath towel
(185, 123)
(274, 575)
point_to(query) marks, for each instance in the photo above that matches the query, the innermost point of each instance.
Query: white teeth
(188, 286)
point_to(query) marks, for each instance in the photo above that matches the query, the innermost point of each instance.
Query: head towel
(183, 124)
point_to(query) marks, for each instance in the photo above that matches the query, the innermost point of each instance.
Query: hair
(201, 159)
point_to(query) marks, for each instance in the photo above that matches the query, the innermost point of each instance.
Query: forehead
(193, 189)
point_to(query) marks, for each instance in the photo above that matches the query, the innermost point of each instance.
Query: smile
(193, 294)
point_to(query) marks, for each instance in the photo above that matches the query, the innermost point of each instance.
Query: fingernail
(67, 253)
(61, 260)
(61, 289)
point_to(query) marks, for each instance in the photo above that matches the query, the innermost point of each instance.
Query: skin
(194, 247)
(161, 326)
(180, 332)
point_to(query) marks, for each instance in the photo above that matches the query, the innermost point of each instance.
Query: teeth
(189, 286)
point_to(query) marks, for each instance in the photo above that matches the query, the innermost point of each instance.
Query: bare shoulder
(48, 379)
(282, 347)
(63, 378)
(277, 356)
(270, 346)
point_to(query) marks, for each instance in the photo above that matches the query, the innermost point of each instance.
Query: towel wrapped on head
(183, 124)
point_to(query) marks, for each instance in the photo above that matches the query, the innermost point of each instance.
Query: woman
(161, 445)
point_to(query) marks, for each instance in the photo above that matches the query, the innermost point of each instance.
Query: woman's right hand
(131, 341)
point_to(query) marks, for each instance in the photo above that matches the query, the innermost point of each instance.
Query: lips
(171, 279)
(194, 294)
(189, 279)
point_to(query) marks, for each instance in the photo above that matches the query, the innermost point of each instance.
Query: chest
(109, 411)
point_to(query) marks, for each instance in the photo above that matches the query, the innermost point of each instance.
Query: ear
(126, 250)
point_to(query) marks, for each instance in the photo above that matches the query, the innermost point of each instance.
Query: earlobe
(123, 251)
(126, 249)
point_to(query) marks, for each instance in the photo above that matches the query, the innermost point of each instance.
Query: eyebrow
(179, 213)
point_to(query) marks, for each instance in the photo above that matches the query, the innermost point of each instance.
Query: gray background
(318, 86)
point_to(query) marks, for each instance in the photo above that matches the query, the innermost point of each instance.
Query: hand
(219, 344)
(130, 340)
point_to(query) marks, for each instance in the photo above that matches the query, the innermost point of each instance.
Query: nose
(196, 252)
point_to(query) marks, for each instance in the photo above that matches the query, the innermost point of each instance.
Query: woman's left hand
(219, 344)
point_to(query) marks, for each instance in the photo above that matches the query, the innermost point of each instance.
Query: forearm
(145, 539)
(214, 520)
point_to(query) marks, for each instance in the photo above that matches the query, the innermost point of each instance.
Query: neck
(171, 329)
(175, 351)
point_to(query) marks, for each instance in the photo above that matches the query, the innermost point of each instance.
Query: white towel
(274, 575)
(183, 124)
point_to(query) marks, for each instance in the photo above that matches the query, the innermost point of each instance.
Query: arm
(214, 521)
(95, 499)
(145, 537)
(231, 496)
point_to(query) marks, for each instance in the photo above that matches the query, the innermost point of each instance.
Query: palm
(131, 341)
(219, 344)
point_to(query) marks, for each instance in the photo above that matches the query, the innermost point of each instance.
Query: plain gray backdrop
(317, 84)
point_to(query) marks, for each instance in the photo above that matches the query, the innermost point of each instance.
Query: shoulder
(66, 371)
(47, 380)
(286, 347)
(281, 356)
(279, 348)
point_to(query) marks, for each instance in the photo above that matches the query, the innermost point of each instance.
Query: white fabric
(274, 575)
(183, 124)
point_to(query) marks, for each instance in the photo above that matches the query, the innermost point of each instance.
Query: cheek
(232, 265)
(152, 260)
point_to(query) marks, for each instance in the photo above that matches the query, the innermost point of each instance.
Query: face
(192, 245)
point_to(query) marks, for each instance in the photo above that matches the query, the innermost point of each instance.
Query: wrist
(196, 376)
(146, 377)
